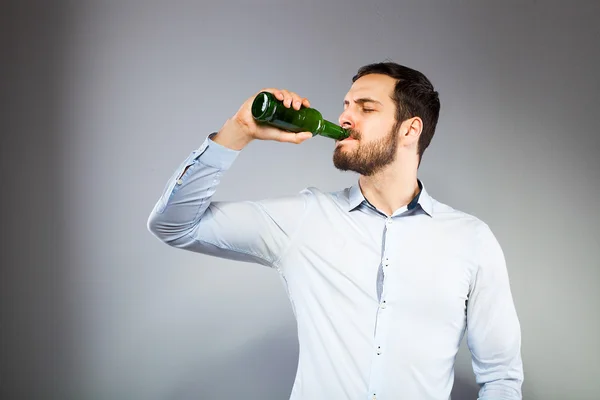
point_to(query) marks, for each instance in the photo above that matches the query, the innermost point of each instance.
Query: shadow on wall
(264, 368)
(36, 309)
(464, 389)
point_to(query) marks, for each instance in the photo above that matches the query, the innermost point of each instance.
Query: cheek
(376, 129)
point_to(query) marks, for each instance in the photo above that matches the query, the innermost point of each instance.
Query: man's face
(370, 116)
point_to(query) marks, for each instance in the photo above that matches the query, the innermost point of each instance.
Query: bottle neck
(333, 131)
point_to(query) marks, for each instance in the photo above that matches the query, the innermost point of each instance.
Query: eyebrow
(363, 100)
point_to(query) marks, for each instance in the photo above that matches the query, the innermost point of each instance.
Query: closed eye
(367, 110)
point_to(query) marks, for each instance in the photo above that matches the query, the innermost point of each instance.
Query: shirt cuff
(215, 155)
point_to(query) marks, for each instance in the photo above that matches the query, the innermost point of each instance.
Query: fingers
(286, 137)
(290, 99)
(296, 138)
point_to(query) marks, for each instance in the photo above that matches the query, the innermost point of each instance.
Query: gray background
(102, 101)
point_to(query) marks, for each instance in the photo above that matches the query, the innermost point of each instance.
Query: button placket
(382, 317)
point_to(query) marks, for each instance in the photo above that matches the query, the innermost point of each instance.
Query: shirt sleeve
(251, 231)
(493, 329)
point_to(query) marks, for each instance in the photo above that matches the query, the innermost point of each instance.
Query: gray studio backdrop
(104, 99)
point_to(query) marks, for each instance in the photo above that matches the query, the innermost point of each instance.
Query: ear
(411, 129)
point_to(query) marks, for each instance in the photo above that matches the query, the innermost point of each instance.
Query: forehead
(377, 86)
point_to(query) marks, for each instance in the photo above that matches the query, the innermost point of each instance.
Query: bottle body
(267, 109)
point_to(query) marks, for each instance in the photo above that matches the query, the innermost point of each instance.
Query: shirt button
(388, 221)
(374, 397)
(383, 304)
(378, 350)
(179, 181)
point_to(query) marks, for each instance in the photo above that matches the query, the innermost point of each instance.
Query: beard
(367, 158)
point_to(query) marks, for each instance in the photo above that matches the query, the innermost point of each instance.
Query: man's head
(389, 107)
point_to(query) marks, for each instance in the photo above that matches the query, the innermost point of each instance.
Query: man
(383, 279)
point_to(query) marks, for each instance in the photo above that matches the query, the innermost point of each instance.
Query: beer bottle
(267, 109)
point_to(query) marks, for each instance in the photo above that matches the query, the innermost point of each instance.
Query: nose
(345, 120)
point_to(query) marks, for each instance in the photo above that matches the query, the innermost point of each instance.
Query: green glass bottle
(267, 109)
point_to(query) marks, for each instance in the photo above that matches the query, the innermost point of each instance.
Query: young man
(383, 279)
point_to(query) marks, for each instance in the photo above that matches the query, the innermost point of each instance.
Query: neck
(393, 187)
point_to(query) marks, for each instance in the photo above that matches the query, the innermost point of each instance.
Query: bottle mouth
(262, 106)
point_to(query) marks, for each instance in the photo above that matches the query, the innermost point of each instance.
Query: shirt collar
(422, 199)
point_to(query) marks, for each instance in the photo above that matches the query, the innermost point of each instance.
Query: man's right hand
(241, 129)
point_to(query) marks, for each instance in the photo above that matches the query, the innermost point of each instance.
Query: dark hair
(414, 96)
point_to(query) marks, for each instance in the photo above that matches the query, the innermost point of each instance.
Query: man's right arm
(186, 217)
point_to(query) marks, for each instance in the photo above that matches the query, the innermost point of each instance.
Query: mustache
(354, 134)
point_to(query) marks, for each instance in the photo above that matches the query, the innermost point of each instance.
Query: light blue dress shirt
(381, 303)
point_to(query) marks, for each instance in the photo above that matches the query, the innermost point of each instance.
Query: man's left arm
(493, 328)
